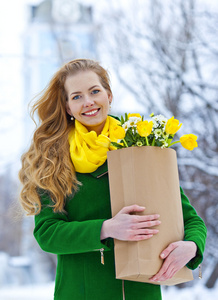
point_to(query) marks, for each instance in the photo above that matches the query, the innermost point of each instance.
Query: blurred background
(162, 57)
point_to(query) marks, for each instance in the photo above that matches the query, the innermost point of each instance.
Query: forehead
(81, 81)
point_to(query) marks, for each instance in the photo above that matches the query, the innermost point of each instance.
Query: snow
(45, 292)
(195, 293)
(31, 292)
(18, 261)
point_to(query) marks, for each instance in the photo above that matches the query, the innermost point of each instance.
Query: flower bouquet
(143, 170)
(159, 131)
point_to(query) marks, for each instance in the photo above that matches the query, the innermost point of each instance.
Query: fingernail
(162, 255)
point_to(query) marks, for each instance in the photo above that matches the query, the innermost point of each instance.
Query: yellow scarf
(88, 150)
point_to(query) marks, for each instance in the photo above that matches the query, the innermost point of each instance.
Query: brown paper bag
(147, 176)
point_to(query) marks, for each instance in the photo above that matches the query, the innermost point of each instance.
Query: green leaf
(129, 135)
(126, 117)
(122, 120)
(158, 143)
(118, 146)
(151, 137)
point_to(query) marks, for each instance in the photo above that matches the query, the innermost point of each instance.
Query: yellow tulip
(188, 141)
(134, 115)
(103, 141)
(144, 128)
(172, 126)
(119, 132)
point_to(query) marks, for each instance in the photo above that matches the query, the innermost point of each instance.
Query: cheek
(68, 105)
(71, 107)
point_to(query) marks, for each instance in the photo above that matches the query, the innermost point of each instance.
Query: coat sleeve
(195, 230)
(56, 234)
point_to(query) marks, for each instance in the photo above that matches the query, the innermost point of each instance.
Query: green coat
(75, 238)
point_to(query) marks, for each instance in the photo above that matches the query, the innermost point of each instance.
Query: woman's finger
(146, 231)
(165, 253)
(146, 224)
(140, 237)
(132, 209)
(163, 270)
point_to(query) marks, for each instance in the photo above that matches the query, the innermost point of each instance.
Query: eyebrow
(88, 89)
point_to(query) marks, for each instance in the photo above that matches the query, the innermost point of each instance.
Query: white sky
(13, 20)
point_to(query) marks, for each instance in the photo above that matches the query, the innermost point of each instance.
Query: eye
(76, 97)
(95, 91)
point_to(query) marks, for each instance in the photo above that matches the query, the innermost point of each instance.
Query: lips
(92, 112)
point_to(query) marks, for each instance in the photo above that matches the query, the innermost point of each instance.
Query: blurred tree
(10, 219)
(166, 55)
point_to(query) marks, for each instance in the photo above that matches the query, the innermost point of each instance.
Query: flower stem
(173, 143)
(125, 143)
(147, 143)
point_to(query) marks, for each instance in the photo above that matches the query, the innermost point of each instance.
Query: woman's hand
(127, 226)
(176, 256)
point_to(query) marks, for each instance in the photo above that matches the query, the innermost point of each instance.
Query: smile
(91, 113)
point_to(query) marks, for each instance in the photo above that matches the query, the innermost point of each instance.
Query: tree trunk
(213, 277)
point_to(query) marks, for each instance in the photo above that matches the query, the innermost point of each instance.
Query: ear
(110, 97)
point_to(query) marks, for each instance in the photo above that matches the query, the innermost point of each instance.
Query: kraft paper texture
(147, 176)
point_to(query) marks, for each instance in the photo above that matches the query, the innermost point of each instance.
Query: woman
(65, 185)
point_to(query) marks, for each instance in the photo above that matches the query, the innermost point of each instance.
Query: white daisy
(165, 144)
(134, 120)
(126, 125)
(160, 119)
(158, 133)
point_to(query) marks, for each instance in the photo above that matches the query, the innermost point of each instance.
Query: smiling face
(88, 101)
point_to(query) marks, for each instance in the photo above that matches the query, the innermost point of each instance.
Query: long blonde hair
(47, 164)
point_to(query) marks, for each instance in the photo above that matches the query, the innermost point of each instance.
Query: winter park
(162, 58)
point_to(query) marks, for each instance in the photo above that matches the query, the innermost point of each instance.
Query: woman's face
(88, 101)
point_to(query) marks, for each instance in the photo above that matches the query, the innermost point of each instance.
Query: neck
(98, 128)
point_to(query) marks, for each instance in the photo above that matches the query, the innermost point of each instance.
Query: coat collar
(100, 171)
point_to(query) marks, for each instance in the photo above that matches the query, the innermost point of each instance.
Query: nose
(88, 101)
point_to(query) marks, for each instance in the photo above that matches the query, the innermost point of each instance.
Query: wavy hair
(47, 164)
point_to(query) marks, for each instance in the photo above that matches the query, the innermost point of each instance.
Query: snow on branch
(199, 164)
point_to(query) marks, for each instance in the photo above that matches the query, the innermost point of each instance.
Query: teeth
(91, 112)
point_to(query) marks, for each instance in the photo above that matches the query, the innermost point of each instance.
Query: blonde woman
(65, 185)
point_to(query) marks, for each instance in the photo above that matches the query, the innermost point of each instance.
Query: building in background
(58, 31)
